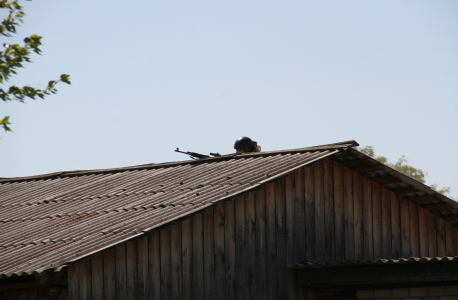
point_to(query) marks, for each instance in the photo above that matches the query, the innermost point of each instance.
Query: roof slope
(49, 220)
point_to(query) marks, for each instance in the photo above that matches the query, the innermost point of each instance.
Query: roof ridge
(339, 145)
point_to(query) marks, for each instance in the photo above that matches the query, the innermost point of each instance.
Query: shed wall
(241, 249)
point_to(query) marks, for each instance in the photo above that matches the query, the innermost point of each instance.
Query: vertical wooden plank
(349, 214)
(85, 279)
(197, 256)
(395, 226)
(229, 249)
(250, 234)
(339, 211)
(73, 281)
(166, 279)
(423, 231)
(414, 230)
(440, 227)
(22, 295)
(318, 174)
(328, 211)
(176, 268)
(109, 275)
(97, 275)
(220, 266)
(449, 240)
(309, 194)
(405, 229)
(33, 294)
(186, 258)
(280, 224)
(260, 234)
(240, 245)
(131, 262)
(209, 255)
(121, 280)
(154, 265)
(386, 223)
(358, 214)
(142, 264)
(368, 241)
(377, 220)
(290, 234)
(432, 231)
(271, 250)
(299, 217)
(455, 238)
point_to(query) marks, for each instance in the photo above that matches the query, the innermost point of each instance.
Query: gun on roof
(195, 155)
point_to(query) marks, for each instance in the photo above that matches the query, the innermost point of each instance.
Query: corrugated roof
(49, 220)
(381, 262)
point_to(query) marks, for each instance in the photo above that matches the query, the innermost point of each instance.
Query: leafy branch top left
(14, 55)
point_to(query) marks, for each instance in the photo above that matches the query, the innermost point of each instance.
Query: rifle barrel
(192, 154)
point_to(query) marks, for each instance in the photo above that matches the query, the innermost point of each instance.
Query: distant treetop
(402, 166)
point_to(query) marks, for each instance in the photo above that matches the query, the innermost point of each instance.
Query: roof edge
(340, 145)
(415, 183)
(375, 262)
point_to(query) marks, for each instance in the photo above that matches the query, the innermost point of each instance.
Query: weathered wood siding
(242, 248)
(15, 292)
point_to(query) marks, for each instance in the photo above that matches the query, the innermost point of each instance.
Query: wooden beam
(418, 274)
(368, 241)
(414, 230)
(422, 199)
(349, 222)
(97, 275)
(405, 190)
(376, 190)
(358, 163)
(364, 170)
(165, 267)
(229, 249)
(344, 154)
(320, 221)
(19, 286)
(220, 266)
(329, 212)
(387, 180)
(423, 231)
(438, 207)
(271, 244)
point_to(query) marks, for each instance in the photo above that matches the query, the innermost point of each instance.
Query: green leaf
(65, 78)
(5, 122)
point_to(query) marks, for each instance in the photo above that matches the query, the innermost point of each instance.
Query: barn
(317, 223)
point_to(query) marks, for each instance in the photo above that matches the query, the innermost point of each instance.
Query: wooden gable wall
(242, 248)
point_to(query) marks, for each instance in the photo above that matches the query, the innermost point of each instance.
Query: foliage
(13, 56)
(402, 166)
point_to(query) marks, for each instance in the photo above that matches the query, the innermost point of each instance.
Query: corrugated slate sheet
(381, 262)
(47, 221)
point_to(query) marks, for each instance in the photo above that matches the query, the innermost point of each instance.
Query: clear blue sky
(150, 76)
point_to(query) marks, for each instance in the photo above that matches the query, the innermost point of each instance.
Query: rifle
(195, 155)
